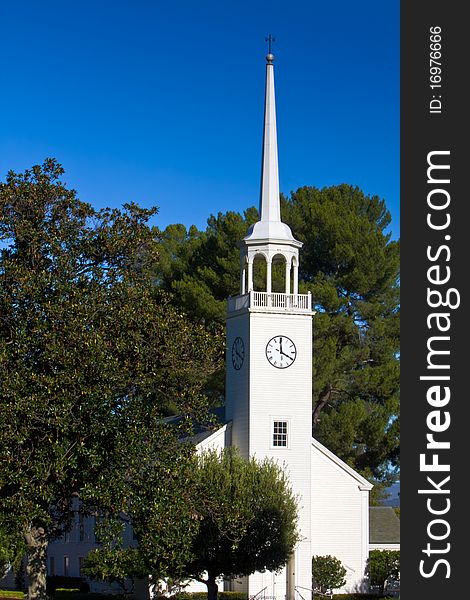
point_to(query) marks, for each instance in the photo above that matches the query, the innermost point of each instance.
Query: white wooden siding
(340, 520)
(257, 394)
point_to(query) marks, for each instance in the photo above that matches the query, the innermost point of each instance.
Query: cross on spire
(270, 39)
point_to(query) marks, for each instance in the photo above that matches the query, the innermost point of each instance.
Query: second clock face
(281, 351)
(238, 353)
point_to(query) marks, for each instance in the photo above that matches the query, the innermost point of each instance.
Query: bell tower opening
(260, 273)
(280, 274)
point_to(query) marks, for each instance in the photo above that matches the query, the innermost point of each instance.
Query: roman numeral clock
(281, 351)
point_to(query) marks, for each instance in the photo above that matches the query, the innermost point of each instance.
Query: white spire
(270, 226)
(269, 198)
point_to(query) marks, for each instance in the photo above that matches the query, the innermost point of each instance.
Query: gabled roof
(200, 431)
(205, 433)
(362, 482)
(384, 525)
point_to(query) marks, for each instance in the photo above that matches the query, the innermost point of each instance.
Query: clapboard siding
(237, 382)
(340, 515)
(259, 393)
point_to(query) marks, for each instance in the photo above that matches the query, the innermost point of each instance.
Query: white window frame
(287, 434)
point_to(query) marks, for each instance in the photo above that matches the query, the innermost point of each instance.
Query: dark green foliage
(12, 547)
(115, 565)
(328, 573)
(242, 518)
(247, 517)
(383, 565)
(202, 268)
(90, 355)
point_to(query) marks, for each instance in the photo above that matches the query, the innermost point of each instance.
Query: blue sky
(162, 102)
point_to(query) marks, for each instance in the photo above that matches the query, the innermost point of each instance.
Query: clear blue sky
(161, 102)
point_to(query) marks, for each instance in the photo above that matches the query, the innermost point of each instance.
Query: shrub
(328, 573)
(383, 565)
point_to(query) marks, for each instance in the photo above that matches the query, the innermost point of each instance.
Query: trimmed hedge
(55, 582)
(73, 595)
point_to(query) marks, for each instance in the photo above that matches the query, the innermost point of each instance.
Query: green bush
(328, 573)
(382, 565)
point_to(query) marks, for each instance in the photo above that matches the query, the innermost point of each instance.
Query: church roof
(362, 482)
(384, 525)
(201, 431)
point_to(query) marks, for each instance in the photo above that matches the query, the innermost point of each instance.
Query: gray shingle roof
(384, 525)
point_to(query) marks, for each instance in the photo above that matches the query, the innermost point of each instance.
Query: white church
(268, 411)
(268, 398)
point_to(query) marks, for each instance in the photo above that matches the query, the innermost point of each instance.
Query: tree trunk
(36, 545)
(212, 588)
(325, 397)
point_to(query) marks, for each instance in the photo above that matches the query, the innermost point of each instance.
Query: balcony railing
(271, 301)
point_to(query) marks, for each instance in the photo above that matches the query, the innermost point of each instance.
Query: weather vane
(270, 39)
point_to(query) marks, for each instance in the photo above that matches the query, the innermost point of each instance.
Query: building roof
(384, 525)
(363, 483)
(200, 431)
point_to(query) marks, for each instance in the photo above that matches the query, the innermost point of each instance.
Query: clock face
(281, 351)
(238, 353)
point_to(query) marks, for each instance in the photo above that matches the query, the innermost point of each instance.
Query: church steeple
(269, 238)
(270, 226)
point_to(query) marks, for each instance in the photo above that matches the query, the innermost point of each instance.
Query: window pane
(280, 433)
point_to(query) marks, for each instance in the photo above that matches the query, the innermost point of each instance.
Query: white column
(268, 276)
(250, 275)
(242, 278)
(288, 265)
(296, 279)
